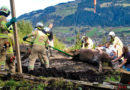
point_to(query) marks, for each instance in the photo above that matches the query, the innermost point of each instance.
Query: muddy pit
(62, 66)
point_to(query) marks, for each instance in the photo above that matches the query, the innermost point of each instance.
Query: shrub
(24, 28)
(58, 44)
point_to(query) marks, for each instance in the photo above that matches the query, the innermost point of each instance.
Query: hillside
(80, 12)
(78, 15)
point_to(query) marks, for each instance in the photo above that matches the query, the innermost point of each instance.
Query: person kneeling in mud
(126, 62)
(38, 48)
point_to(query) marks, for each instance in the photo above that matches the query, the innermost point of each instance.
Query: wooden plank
(124, 71)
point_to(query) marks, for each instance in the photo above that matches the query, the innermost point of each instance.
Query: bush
(24, 28)
(58, 44)
(77, 43)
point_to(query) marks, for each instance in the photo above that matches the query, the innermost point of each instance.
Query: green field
(100, 31)
(90, 31)
(61, 29)
(124, 30)
(70, 38)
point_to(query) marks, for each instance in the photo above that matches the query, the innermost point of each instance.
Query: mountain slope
(80, 12)
(78, 16)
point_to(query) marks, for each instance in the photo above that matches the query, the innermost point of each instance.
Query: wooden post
(16, 38)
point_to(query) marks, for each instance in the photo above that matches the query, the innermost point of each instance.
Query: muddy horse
(93, 57)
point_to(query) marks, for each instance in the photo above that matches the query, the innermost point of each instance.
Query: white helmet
(39, 24)
(112, 34)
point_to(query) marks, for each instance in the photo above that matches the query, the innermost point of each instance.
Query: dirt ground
(63, 66)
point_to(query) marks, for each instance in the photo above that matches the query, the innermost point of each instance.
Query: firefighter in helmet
(116, 42)
(39, 46)
(10, 58)
(4, 43)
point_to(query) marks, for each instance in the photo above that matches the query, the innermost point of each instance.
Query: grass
(112, 78)
(61, 29)
(70, 38)
(13, 84)
(22, 83)
(68, 33)
(99, 31)
(58, 44)
(121, 29)
(92, 32)
(115, 77)
(58, 83)
(65, 10)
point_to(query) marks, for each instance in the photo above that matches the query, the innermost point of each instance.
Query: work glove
(49, 46)
(13, 20)
(24, 39)
(31, 43)
(12, 59)
(6, 45)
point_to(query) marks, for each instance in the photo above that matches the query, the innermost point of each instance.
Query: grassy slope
(124, 30)
(65, 10)
(93, 31)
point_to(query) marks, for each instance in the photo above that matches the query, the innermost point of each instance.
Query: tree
(24, 28)
(58, 44)
(78, 41)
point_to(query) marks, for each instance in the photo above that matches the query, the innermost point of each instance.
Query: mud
(63, 66)
(125, 78)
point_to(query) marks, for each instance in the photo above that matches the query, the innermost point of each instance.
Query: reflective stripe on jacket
(3, 35)
(3, 26)
(118, 42)
(39, 37)
(10, 50)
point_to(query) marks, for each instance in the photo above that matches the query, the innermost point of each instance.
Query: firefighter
(116, 42)
(87, 42)
(4, 44)
(49, 33)
(10, 58)
(38, 48)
